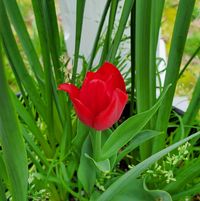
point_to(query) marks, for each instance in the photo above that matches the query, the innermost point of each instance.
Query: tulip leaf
(86, 170)
(103, 166)
(139, 191)
(142, 137)
(129, 129)
(82, 133)
(129, 177)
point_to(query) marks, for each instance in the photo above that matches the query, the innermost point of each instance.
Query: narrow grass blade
(192, 191)
(156, 15)
(80, 7)
(142, 46)
(30, 122)
(51, 87)
(189, 61)
(41, 21)
(52, 34)
(122, 23)
(132, 46)
(135, 172)
(108, 39)
(17, 63)
(14, 152)
(19, 25)
(181, 27)
(94, 49)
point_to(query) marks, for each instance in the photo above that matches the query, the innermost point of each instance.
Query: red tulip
(100, 101)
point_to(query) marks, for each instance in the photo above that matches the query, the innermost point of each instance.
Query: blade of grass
(128, 4)
(94, 49)
(52, 33)
(156, 15)
(41, 22)
(80, 7)
(189, 61)
(39, 16)
(111, 21)
(20, 27)
(132, 44)
(14, 152)
(16, 61)
(181, 27)
(30, 122)
(142, 53)
(192, 191)
(35, 148)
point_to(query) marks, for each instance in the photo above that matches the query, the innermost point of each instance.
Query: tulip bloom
(101, 99)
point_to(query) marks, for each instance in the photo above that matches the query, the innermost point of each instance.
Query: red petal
(83, 112)
(89, 76)
(72, 90)
(94, 96)
(113, 112)
(109, 73)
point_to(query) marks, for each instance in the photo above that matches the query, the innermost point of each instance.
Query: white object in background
(92, 15)
(180, 102)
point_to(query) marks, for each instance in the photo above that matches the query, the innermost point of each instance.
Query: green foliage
(66, 160)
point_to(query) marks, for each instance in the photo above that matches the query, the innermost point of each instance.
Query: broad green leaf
(129, 129)
(82, 133)
(86, 170)
(103, 166)
(157, 194)
(127, 179)
(136, 141)
(139, 192)
(12, 143)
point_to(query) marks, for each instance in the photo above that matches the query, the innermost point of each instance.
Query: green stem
(96, 144)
